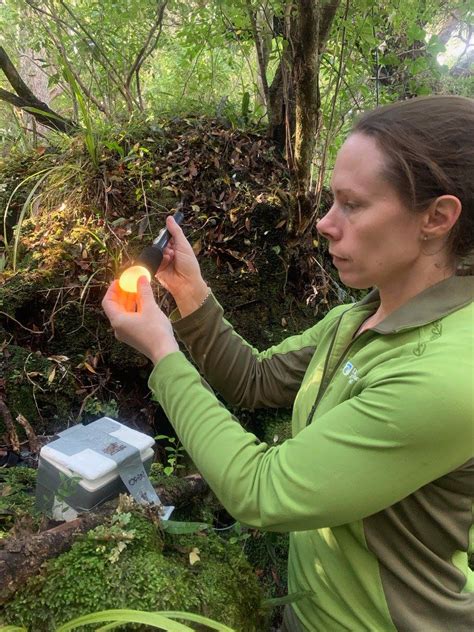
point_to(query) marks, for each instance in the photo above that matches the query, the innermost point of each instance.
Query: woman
(375, 483)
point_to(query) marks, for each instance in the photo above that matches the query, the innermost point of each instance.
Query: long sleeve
(244, 376)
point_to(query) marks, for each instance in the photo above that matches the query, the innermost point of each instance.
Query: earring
(425, 237)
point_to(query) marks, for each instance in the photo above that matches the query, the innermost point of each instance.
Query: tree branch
(147, 50)
(327, 16)
(262, 66)
(27, 101)
(113, 74)
(57, 41)
(14, 78)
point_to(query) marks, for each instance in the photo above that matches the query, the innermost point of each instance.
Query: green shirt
(376, 483)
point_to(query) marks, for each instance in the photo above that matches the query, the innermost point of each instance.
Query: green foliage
(96, 407)
(239, 534)
(175, 454)
(161, 620)
(205, 53)
(268, 554)
(67, 486)
(90, 137)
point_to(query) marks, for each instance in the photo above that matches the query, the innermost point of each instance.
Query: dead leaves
(194, 557)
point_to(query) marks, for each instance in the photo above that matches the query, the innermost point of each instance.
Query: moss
(17, 500)
(41, 389)
(268, 554)
(277, 429)
(273, 426)
(223, 579)
(19, 289)
(128, 563)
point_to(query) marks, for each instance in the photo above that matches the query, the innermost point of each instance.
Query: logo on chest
(350, 372)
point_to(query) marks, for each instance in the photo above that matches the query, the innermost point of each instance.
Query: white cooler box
(90, 464)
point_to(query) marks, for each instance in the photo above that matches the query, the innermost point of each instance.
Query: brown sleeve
(242, 375)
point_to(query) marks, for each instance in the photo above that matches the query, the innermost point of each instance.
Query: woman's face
(373, 238)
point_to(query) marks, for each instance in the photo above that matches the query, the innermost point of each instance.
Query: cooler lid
(77, 447)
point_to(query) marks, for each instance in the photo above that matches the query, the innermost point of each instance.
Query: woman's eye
(350, 206)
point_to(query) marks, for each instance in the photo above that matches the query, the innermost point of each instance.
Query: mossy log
(130, 562)
(22, 557)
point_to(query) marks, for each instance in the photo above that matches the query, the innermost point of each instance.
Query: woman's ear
(441, 216)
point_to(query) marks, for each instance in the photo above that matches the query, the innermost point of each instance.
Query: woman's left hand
(138, 321)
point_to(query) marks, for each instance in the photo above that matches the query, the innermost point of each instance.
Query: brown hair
(429, 146)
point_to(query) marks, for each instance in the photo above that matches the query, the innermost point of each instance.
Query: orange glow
(129, 278)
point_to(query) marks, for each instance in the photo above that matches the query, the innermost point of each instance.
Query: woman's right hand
(180, 273)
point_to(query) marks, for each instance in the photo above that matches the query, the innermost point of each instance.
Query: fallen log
(22, 557)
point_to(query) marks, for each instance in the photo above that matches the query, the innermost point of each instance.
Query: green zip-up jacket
(376, 483)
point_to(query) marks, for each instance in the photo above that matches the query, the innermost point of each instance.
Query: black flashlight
(149, 260)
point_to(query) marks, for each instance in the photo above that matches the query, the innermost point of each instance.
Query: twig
(58, 42)
(11, 431)
(106, 63)
(30, 434)
(38, 333)
(79, 414)
(259, 45)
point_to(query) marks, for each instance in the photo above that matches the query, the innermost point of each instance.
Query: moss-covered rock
(130, 563)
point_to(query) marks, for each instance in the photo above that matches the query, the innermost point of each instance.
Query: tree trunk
(37, 81)
(281, 99)
(294, 98)
(261, 20)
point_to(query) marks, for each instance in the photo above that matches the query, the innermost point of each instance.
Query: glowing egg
(129, 278)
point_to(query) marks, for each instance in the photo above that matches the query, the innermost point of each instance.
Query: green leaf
(163, 620)
(197, 618)
(423, 90)
(283, 601)
(44, 113)
(182, 528)
(153, 619)
(24, 209)
(415, 33)
(435, 46)
(245, 108)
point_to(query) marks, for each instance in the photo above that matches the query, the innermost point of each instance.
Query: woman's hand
(138, 321)
(179, 272)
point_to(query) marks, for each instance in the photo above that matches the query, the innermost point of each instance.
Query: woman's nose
(326, 226)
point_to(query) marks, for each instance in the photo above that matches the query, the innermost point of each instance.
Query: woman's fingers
(111, 303)
(175, 231)
(130, 302)
(117, 302)
(145, 296)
